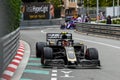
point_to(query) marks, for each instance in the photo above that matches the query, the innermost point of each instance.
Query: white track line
(101, 43)
(54, 74)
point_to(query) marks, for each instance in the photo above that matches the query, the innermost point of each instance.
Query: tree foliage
(26, 1)
(56, 3)
(102, 3)
(13, 13)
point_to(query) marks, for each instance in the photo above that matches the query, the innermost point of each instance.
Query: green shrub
(14, 14)
(117, 21)
(93, 19)
(103, 21)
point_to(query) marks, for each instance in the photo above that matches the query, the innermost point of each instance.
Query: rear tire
(91, 54)
(48, 54)
(39, 48)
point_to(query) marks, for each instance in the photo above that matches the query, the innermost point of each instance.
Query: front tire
(39, 48)
(48, 54)
(91, 54)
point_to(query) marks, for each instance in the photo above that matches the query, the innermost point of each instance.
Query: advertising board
(36, 10)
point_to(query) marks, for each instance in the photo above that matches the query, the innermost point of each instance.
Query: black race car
(60, 50)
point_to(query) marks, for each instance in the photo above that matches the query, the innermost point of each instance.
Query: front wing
(60, 63)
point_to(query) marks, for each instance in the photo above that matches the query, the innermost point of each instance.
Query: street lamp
(118, 8)
(113, 8)
(88, 6)
(97, 10)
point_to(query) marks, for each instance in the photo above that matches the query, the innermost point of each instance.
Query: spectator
(87, 18)
(97, 18)
(79, 19)
(108, 21)
(51, 11)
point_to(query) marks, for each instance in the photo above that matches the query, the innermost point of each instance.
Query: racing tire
(48, 54)
(62, 27)
(39, 48)
(91, 54)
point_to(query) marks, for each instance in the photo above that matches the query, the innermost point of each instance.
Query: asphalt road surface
(109, 53)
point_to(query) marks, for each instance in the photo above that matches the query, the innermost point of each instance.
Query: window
(72, 0)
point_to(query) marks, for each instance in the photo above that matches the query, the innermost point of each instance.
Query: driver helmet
(64, 36)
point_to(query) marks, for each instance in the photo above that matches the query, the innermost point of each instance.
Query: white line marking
(12, 66)
(66, 72)
(8, 73)
(17, 61)
(42, 31)
(54, 75)
(66, 75)
(21, 53)
(117, 47)
(18, 57)
(54, 70)
(53, 78)
(21, 49)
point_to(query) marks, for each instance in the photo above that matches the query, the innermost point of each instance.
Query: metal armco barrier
(99, 29)
(8, 48)
(29, 23)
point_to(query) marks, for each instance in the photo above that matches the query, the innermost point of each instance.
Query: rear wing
(57, 36)
(53, 36)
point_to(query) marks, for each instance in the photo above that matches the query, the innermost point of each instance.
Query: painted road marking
(17, 61)
(34, 64)
(54, 74)
(101, 43)
(34, 58)
(66, 72)
(53, 78)
(13, 66)
(36, 71)
(18, 57)
(21, 53)
(10, 73)
(117, 47)
(25, 79)
(43, 31)
(54, 70)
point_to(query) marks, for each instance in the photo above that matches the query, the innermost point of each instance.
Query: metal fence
(99, 29)
(8, 48)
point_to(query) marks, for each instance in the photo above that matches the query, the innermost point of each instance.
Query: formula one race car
(68, 25)
(61, 50)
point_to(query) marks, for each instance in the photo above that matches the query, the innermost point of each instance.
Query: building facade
(69, 7)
